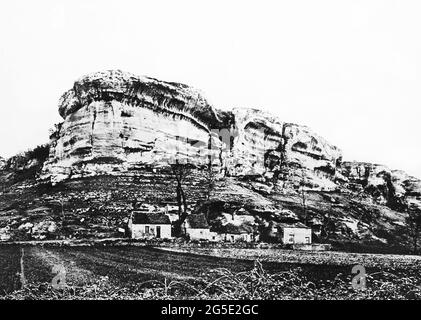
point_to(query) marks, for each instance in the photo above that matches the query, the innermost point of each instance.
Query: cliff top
(141, 90)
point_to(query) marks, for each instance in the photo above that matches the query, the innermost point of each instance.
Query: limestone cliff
(393, 188)
(116, 123)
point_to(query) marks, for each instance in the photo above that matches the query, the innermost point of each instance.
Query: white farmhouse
(294, 233)
(148, 225)
(237, 233)
(196, 227)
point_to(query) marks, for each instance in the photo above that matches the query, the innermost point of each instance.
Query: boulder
(5, 234)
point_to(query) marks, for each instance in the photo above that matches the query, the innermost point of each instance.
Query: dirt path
(22, 268)
(55, 262)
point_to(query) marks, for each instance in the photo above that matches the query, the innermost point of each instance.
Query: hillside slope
(121, 133)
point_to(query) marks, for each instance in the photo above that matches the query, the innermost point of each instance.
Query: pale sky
(350, 70)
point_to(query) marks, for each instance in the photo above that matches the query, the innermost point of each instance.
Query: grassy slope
(9, 266)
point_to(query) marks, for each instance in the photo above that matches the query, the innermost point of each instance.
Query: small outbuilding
(196, 227)
(294, 233)
(148, 225)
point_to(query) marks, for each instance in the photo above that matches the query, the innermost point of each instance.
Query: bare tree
(181, 172)
(414, 226)
(63, 216)
(328, 226)
(210, 181)
(210, 178)
(303, 195)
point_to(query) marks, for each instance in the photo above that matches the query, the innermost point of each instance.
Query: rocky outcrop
(393, 188)
(2, 163)
(24, 166)
(309, 159)
(115, 122)
(21, 163)
(264, 145)
(118, 123)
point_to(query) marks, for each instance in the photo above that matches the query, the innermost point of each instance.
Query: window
(291, 238)
(147, 229)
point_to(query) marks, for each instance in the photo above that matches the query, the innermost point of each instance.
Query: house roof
(197, 221)
(236, 229)
(150, 218)
(297, 225)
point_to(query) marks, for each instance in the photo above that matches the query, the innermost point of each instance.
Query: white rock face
(116, 123)
(264, 145)
(310, 159)
(113, 137)
(388, 187)
(256, 134)
(128, 122)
